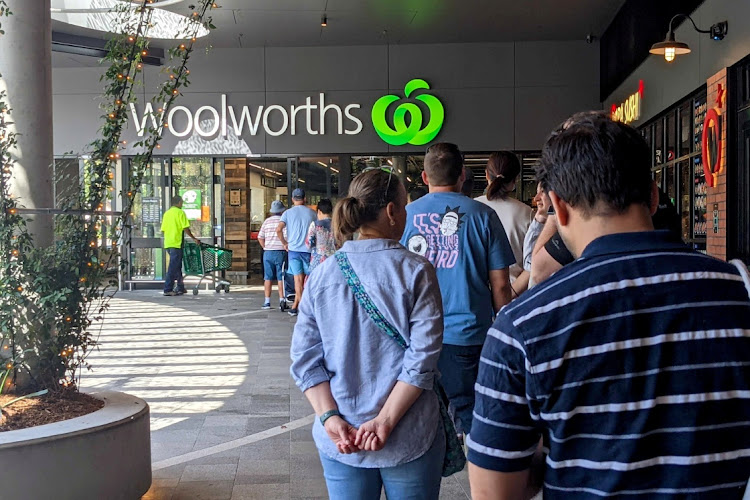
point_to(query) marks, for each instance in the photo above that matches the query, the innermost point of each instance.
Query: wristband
(329, 414)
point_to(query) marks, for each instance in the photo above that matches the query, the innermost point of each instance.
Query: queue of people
(623, 373)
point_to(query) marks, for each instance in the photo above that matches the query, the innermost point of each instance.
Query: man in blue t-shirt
(466, 242)
(296, 220)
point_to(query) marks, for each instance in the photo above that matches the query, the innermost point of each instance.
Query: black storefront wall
(674, 137)
(738, 175)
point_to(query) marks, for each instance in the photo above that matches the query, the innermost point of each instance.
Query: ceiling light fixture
(670, 48)
(324, 21)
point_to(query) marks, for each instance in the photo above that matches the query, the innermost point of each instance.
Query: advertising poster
(191, 203)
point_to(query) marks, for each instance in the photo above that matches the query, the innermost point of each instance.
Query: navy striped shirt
(633, 365)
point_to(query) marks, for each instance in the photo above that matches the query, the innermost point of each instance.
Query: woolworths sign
(405, 123)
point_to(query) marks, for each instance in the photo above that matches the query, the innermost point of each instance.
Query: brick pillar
(237, 219)
(716, 241)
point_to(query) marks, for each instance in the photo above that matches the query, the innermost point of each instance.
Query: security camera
(590, 38)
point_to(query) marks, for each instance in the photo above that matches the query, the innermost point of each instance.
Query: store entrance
(198, 181)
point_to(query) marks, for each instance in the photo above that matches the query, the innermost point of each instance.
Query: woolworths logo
(413, 133)
(314, 117)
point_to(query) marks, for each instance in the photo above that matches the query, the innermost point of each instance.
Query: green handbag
(454, 460)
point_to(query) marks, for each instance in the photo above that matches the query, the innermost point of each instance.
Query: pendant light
(671, 48)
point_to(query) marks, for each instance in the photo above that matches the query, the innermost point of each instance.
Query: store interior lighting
(264, 169)
(671, 48)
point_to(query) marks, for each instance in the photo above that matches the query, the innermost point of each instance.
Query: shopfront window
(193, 178)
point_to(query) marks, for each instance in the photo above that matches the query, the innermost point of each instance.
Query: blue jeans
(174, 271)
(415, 480)
(459, 367)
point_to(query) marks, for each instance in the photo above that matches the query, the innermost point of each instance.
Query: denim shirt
(336, 341)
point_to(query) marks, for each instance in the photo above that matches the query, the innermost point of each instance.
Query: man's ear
(425, 179)
(654, 198)
(562, 209)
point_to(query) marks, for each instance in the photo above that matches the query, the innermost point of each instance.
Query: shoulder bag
(454, 460)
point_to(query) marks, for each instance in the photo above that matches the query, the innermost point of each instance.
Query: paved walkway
(227, 422)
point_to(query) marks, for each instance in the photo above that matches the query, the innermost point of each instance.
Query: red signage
(711, 142)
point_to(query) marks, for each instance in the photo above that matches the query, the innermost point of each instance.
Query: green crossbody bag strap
(454, 460)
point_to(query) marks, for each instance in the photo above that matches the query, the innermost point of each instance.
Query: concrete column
(26, 69)
(399, 164)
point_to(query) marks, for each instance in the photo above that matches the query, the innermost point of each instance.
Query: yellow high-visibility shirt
(173, 224)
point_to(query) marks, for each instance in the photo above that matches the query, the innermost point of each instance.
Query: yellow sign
(630, 110)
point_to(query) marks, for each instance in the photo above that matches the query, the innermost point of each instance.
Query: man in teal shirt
(173, 224)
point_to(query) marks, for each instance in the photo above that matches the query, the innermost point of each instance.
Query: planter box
(102, 455)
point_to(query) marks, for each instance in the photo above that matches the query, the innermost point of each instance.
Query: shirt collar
(634, 242)
(364, 246)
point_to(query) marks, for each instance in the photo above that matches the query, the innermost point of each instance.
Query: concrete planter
(105, 454)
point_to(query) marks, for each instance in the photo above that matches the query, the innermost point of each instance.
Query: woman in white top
(502, 171)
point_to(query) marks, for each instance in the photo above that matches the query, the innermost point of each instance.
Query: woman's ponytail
(369, 193)
(347, 219)
(503, 169)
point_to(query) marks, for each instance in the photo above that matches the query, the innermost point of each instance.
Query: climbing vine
(52, 299)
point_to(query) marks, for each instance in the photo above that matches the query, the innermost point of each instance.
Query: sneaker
(282, 305)
(292, 312)
(170, 294)
(266, 306)
(180, 292)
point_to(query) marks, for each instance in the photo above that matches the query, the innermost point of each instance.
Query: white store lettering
(274, 119)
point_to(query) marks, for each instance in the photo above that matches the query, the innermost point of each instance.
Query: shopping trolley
(203, 260)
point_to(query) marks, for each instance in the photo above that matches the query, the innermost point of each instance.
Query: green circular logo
(413, 133)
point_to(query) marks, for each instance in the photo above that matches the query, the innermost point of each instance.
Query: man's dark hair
(417, 193)
(468, 186)
(325, 206)
(176, 200)
(443, 164)
(596, 165)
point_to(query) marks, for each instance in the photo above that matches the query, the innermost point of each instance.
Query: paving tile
(303, 448)
(260, 423)
(262, 479)
(260, 492)
(174, 472)
(308, 487)
(306, 468)
(450, 489)
(224, 421)
(266, 450)
(229, 457)
(250, 466)
(215, 472)
(204, 490)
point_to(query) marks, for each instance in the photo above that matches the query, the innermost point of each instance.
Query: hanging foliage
(52, 300)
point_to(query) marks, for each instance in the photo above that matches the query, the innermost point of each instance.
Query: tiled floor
(215, 372)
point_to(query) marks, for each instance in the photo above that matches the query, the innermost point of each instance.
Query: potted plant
(52, 299)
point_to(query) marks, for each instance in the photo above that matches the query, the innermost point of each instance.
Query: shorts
(273, 264)
(299, 263)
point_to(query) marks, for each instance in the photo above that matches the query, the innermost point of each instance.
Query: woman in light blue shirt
(379, 422)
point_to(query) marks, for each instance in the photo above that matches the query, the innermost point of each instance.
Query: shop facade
(258, 123)
(695, 114)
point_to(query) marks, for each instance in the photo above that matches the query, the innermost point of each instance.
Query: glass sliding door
(146, 243)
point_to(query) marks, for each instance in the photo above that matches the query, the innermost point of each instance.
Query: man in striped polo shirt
(632, 363)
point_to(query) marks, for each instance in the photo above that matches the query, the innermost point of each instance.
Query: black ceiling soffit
(95, 47)
(626, 42)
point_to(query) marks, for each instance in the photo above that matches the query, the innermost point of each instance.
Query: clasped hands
(371, 436)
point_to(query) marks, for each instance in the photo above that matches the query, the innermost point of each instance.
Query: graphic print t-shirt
(464, 240)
